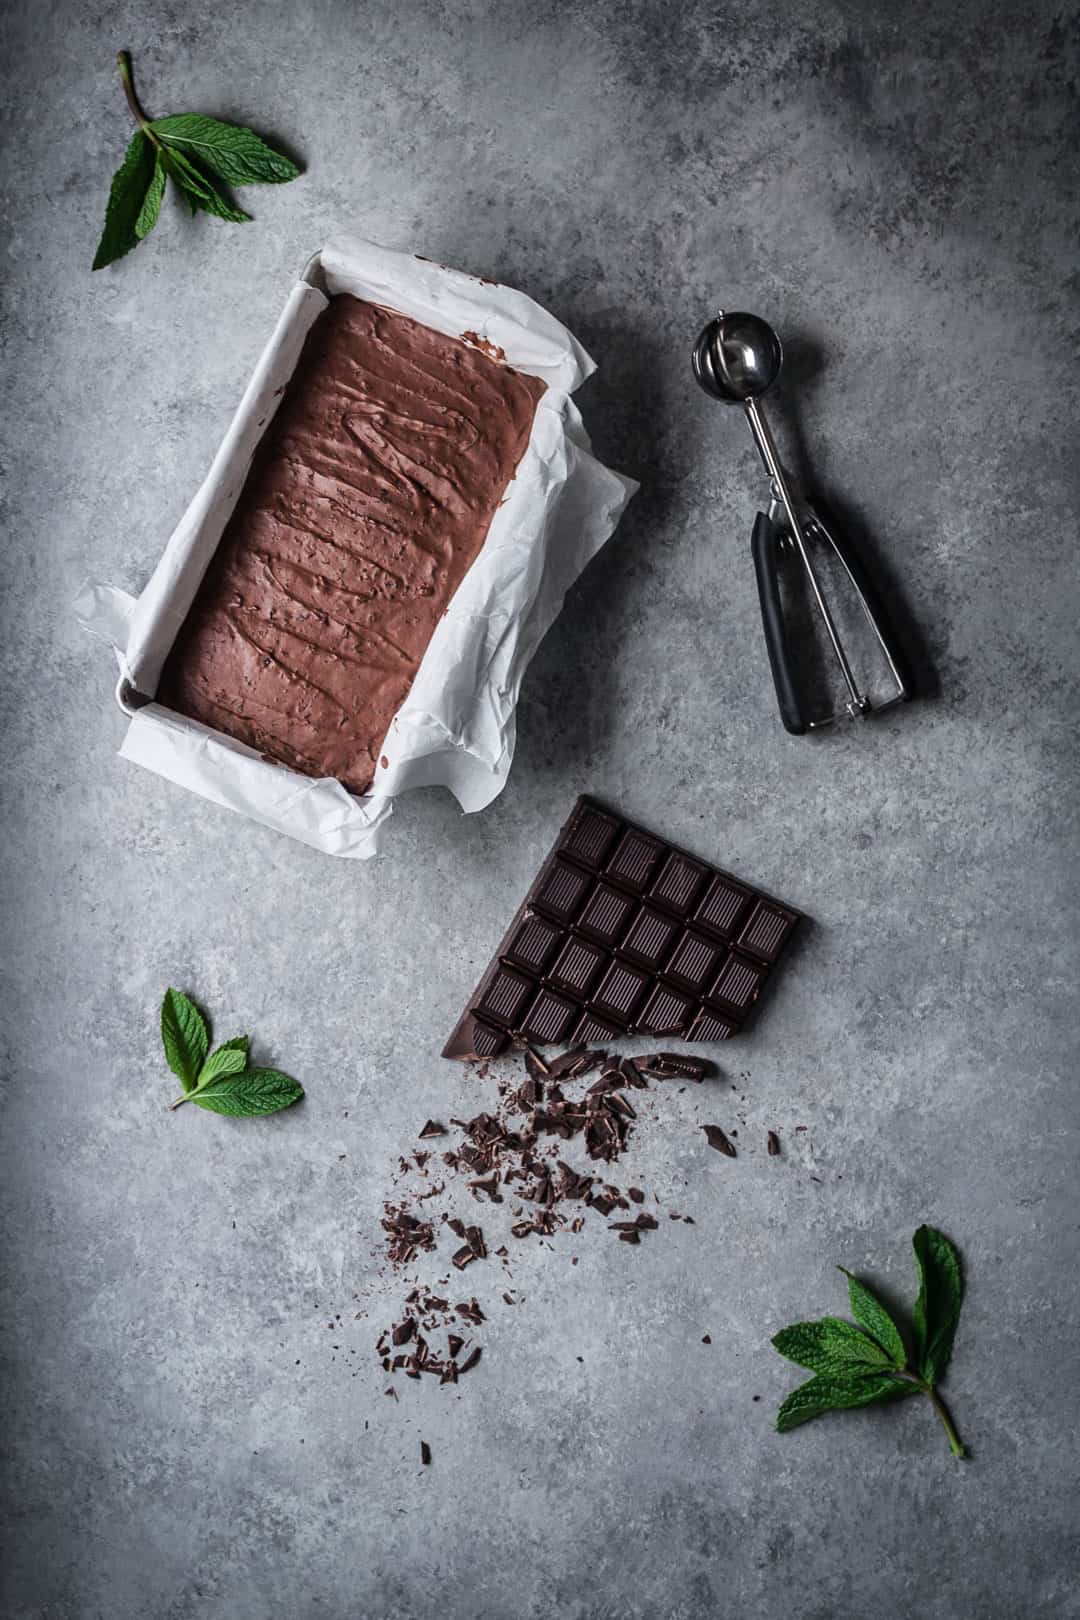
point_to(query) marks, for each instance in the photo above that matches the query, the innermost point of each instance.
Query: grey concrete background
(186, 1439)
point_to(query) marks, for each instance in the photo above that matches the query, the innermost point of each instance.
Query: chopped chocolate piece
(433, 1128)
(475, 1239)
(719, 1140)
(456, 1226)
(470, 1361)
(487, 1186)
(774, 1144)
(633, 1075)
(508, 1299)
(425, 1453)
(633, 1236)
(522, 1229)
(535, 1064)
(674, 1065)
(706, 1339)
(611, 901)
(464, 1256)
(433, 1303)
(470, 1312)
(647, 1222)
(636, 1194)
(454, 1343)
(403, 1332)
(602, 1205)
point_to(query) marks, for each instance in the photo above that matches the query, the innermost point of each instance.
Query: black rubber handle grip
(764, 547)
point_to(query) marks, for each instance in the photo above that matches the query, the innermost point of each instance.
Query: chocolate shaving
(433, 1128)
(774, 1145)
(425, 1453)
(719, 1140)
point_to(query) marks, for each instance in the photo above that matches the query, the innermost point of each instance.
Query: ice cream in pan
(369, 498)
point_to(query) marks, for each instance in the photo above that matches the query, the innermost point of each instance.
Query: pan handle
(764, 548)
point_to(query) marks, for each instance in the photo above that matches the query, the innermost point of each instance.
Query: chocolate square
(666, 1012)
(649, 938)
(635, 859)
(738, 984)
(710, 1026)
(549, 1018)
(766, 930)
(605, 915)
(619, 991)
(693, 962)
(533, 944)
(505, 996)
(589, 835)
(560, 891)
(722, 906)
(593, 1031)
(576, 966)
(678, 884)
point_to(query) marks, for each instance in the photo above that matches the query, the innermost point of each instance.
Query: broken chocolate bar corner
(624, 934)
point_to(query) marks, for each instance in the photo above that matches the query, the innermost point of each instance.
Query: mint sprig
(198, 154)
(221, 1082)
(856, 1366)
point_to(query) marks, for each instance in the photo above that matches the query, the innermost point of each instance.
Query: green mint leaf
(127, 195)
(838, 1395)
(832, 1348)
(184, 1037)
(151, 208)
(867, 1309)
(228, 1059)
(937, 1309)
(199, 189)
(235, 154)
(254, 1091)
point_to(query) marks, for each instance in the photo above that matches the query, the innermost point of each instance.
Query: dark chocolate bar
(623, 934)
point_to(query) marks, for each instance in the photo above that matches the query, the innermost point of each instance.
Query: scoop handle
(764, 548)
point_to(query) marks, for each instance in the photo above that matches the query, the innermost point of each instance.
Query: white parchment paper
(456, 726)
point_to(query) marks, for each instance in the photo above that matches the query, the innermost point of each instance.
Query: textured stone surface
(894, 187)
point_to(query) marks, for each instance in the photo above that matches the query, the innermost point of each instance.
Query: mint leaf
(196, 152)
(868, 1309)
(151, 208)
(228, 1059)
(127, 195)
(254, 1091)
(937, 1309)
(199, 189)
(857, 1365)
(184, 1037)
(235, 154)
(831, 1347)
(838, 1395)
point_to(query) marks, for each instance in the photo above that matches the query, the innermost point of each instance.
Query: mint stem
(123, 62)
(179, 1100)
(939, 1407)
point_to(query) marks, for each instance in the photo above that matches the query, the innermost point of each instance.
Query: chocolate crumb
(425, 1453)
(706, 1339)
(774, 1145)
